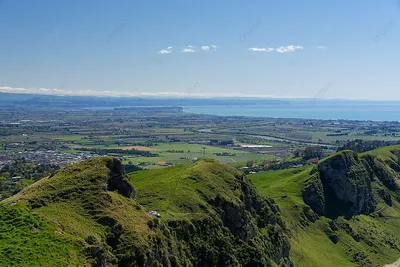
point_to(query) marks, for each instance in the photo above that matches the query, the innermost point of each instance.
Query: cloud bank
(106, 93)
(280, 49)
(261, 49)
(289, 48)
(189, 49)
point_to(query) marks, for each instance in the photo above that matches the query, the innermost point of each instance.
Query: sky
(271, 48)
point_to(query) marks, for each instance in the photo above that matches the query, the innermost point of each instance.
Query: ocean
(320, 109)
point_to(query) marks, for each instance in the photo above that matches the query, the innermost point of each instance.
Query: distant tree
(312, 152)
(360, 145)
(131, 168)
(249, 163)
(297, 153)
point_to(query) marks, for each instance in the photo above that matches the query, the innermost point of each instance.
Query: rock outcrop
(117, 181)
(346, 187)
(234, 230)
(314, 194)
(379, 169)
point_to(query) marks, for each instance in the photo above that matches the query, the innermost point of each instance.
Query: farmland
(154, 137)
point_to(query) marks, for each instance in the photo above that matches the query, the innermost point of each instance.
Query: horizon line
(173, 95)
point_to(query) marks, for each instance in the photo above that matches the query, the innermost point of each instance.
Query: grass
(75, 214)
(352, 135)
(310, 243)
(197, 148)
(72, 206)
(384, 153)
(195, 194)
(70, 137)
(31, 241)
(49, 222)
(181, 191)
(196, 151)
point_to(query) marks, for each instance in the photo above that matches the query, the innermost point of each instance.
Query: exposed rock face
(314, 196)
(380, 170)
(346, 187)
(226, 238)
(117, 182)
(253, 211)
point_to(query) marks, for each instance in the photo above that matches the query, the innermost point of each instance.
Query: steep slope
(88, 206)
(340, 185)
(216, 213)
(343, 212)
(86, 215)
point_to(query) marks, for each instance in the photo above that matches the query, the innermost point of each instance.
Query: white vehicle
(155, 213)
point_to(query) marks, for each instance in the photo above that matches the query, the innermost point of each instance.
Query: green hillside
(345, 211)
(369, 237)
(70, 219)
(221, 211)
(86, 215)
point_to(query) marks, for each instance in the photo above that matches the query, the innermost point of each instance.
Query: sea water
(325, 110)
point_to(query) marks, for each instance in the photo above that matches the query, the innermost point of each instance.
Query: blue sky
(282, 48)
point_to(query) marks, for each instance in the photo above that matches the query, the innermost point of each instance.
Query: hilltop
(343, 212)
(92, 214)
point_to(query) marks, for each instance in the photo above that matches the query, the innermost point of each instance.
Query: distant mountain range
(90, 101)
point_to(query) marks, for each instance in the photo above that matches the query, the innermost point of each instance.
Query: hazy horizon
(178, 96)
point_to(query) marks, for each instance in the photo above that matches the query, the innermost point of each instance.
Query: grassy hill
(69, 219)
(369, 239)
(345, 211)
(226, 216)
(87, 215)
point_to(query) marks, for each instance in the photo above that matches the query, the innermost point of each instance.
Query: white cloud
(321, 47)
(261, 49)
(168, 50)
(289, 48)
(107, 93)
(209, 48)
(188, 49)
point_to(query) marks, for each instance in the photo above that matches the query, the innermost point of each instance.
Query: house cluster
(44, 157)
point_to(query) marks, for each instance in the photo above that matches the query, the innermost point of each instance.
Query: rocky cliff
(342, 184)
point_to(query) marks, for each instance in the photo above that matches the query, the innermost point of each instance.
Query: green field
(192, 151)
